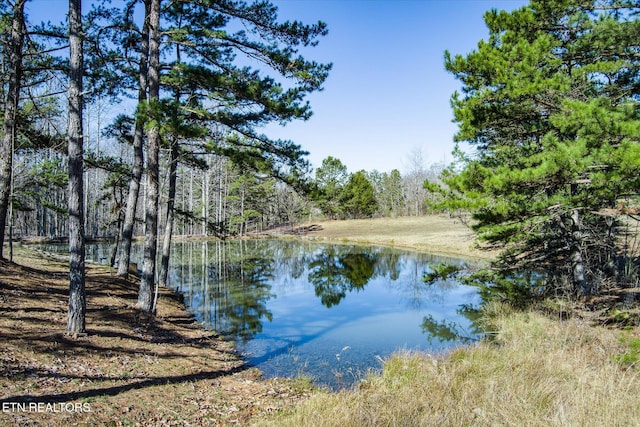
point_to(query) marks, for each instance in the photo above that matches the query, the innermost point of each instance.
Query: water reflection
(320, 310)
(446, 330)
(226, 288)
(335, 271)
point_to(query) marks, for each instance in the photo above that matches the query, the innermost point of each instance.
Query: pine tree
(227, 101)
(357, 198)
(550, 103)
(77, 296)
(147, 282)
(124, 255)
(391, 199)
(331, 177)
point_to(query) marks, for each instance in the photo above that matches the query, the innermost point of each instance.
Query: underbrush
(534, 371)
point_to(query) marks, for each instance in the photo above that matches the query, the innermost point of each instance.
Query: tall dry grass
(535, 372)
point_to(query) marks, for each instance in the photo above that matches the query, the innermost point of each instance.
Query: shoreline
(135, 369)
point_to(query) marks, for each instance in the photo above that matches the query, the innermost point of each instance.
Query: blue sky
(388, 93)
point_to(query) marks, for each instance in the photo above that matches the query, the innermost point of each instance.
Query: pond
(329, 312)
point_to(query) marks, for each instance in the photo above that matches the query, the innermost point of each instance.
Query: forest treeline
(223, 185)
(144, 118)
(215, 199)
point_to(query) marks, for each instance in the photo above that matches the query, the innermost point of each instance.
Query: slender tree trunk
(219, 212)
(581, 285)
(242, 218)
(116, 242)
(168, 231)
(11, 108)
(183, 221)
(77, 302)
(124, 257)
(145, 293)
(205, 202)
(118, 233)
(85, 177)
(191, 227)
(171, 200)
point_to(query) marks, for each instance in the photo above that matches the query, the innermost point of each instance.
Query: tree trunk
(581, 285)
(191, 226)
(11, 108)
(77, 302)
(145, 293)
(205, 201)
(168, 231)
(124, 256)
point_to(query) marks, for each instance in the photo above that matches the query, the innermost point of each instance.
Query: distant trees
(390, 193)
(357, 198)
(343, 195)
(414, 178)
(363, 194)
(550, 103)
(330, 179)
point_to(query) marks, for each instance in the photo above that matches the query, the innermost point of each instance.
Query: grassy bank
(536, 372)
(437, 234)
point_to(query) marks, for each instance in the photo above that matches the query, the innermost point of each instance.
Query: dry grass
(537, 372)
(433, 233)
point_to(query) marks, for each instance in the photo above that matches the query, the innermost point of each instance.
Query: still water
(329, 312)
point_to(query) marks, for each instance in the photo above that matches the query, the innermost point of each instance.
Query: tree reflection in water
(446, 330)
(338, 270)
(226, 290)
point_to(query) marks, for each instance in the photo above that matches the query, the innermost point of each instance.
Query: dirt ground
(129, 369)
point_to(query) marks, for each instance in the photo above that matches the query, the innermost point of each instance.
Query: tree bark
(581, 285)
(77, 302)
(145, 293)
(16, 43)
(168, 230)
(124, 257)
